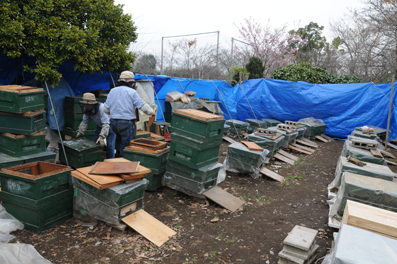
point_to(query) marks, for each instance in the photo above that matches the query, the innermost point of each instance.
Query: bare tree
(187, 59)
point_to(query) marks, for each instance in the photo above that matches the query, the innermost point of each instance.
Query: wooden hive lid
(199, 114)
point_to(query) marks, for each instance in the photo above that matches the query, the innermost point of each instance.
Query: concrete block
(299, 253)
(287, 261)
(301, 237)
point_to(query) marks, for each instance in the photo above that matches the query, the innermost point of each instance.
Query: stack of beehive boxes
(38, 194)
(22, 121)
(151, 154)
(192, 165)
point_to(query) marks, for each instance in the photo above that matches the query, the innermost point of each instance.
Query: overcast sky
(157, 19)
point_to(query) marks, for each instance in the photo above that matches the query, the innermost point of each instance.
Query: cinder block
(301, 237)
(295, 252)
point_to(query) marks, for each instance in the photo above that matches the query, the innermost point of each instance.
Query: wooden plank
(272, 175)
(376, 153)
(152, 118)
(299, 150)
(371, 218)
(391, 162)
(303, 147)
(148, 143)
(387, 154)
(306, 143)
(141, 169)
(285, 159)
(309, 141)
(199, 114)
(100, 179)
(223, 198)
(113, 168)
(84, 178)
(149, 227)
(143, 149)
(391, 145)
(288, 155)
(327, 137)
(321, 139)
(252, 146)
(228, 139)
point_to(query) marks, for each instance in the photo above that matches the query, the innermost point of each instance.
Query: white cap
(127, 76)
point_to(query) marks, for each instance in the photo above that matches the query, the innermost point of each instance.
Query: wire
(248, 101)
(56, 120)
(226, 109)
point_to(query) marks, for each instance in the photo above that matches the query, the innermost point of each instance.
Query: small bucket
(167, 136)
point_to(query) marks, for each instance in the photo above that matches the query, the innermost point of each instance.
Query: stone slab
(298, 253)
(301, 237)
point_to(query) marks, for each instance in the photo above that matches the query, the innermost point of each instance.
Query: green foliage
(236, 74)
(255, 68)
(305, 72)
(93, 34)
(312, 34)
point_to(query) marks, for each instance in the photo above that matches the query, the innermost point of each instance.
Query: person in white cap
(120, 105)
(92, 109)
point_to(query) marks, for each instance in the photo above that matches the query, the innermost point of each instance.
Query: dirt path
(253, 234)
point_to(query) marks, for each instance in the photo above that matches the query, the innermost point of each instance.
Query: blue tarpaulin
(342, 107)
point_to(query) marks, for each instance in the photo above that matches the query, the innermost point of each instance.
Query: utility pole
(390, 107)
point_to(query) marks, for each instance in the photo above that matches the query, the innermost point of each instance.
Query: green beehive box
(272, 145)
(142, 134)
(313, 130)
(154, 181)
(188, 185)
(102, 98)
(73, 121)
(88, 134)
(240, 157)
(80, 152)
(108, 205)
(35, 180)
(255, 123)
(289, 137)
(21, 99)
(9, 161)
(168, 117)
(271, 122)
(45, 101)
(199, 145)
(226, 128)
(41, 156)
(193, 153)
(154, 125)
(201, 174)
(72, 105)
(380, 132)
(368, 169)
(21, 145)
(237, 127)
(39, 215)
(24, 124)
(197, 124)
(155, 160)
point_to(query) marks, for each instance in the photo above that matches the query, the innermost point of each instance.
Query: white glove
(100, 141)
(147, 109)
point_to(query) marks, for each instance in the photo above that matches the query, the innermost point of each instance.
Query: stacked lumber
(110, 175)
(370, 218)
